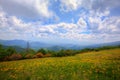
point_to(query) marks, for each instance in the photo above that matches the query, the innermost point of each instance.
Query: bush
(38, 55)
(28, 56)
(43, 51)
(34, 56)
(3, 53)
(15, 57)
(69, 52)
(62, 53)
(31, 51)
(48, 55)
(6, 58)
(10, 51)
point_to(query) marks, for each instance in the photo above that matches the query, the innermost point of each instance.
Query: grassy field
(102, 65)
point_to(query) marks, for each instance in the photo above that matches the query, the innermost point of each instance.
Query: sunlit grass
(102, 65)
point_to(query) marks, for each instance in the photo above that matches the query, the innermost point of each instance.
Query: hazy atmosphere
(56, 21)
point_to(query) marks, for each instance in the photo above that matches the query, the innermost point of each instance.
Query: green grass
(102, 65)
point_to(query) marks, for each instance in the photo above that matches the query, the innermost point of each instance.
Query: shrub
(59, 53)
(6, 58)
(38, 55)
(34, 56)
(28, 56)
(47, 55)
(15, 57)
(43, 51)
(69, 52)
(31, 51)
(10, 51)
(3, 53)
(62, 53)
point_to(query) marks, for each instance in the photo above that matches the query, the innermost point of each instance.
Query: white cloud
(46, 29)
(81, 23)
(69, 5)
(97, 7)
(13, 27)
(67, 25)
(27, 9)
(110, 25)
(102, 5)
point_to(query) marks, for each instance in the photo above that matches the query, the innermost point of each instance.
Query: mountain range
(37, 45)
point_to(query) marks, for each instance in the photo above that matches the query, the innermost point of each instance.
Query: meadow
(101, 65)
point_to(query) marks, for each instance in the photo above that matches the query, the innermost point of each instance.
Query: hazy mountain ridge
(37, 45)
(17, 48)
(20, 43)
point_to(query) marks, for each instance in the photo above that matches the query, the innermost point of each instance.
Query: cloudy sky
(69, 21)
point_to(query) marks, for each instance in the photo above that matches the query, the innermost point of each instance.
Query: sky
(60, 21)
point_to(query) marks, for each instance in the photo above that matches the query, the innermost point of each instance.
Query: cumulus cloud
(96, 5)
(95, 24)
(11, 27)
(110, 25)
(69, 5)
(102, 5)
(14, 25)
(27, 9)
(104, 29)
(82, 23)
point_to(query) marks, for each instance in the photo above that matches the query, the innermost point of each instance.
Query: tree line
(9, 54)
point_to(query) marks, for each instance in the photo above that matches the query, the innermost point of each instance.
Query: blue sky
(60, 21)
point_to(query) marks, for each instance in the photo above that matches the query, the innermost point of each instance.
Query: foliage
(15, 57)
(4, 53)
(9, 53)
(28, 56)
(62, 53)
(31, 51)
(47, 55)
(43, 51)
(38, 55)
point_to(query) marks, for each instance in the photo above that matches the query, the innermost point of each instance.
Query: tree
(2, 53)
(0, 46)
(43, 51)
(10, 51)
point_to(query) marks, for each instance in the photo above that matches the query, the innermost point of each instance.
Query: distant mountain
(78, 47)
(116, 43)
(38, 45)
(17, 48)
(56, 48)
(23, 44)
(20, 43)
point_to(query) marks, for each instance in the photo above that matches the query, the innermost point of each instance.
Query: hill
(17, 48)
(23, 44)
(102, 65)
(37, 45)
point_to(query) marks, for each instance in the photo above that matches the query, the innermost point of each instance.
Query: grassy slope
(102, 65)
